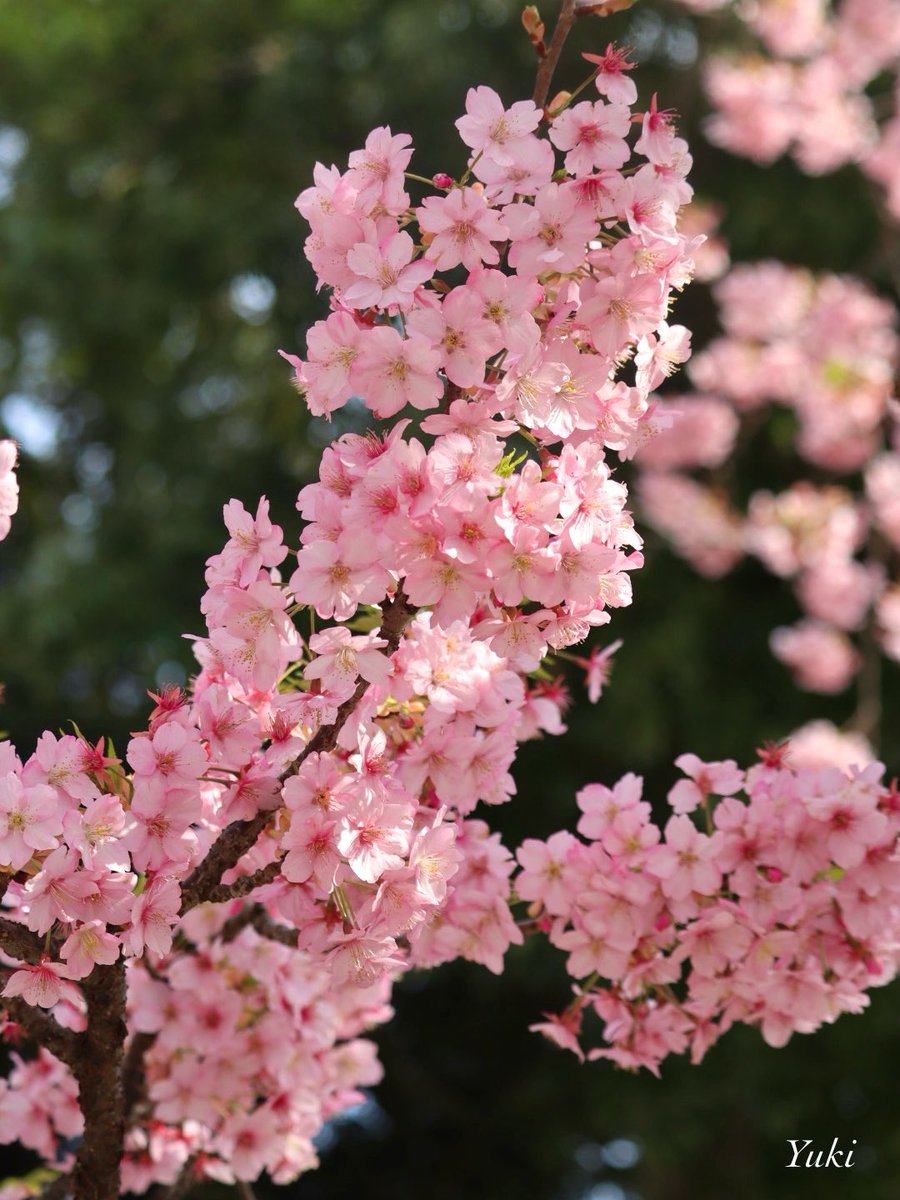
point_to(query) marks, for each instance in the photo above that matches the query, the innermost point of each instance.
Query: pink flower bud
(443, 180)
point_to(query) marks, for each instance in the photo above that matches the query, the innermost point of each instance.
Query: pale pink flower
(704, 779)
(821, 657)
(376, 172)
(254, 543)
(659, 354)
(342, 658)
(385, 272)
(434, 858)
(490, 129)
(621, 310)
(686, 861)
(544, 876)
(460, 334)
(153, 916)
(853, 822)
(43, 985)
(311, 850)
(600, 804)
(393, 371)
(87, 946)
(95, 831)
(375, 838)
(551, 234)
(335, 582)
(30, 820)
(463, 229)
(333, 346)
(612, 80)
(593, 136)
(529, 170)
(171, 753)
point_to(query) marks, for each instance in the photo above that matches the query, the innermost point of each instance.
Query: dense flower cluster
(279, 844)
(826, 348)
(808, 90)
(781, 912)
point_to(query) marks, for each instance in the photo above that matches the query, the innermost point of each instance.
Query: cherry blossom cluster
(826, 348)
(252, 1048)
(807, 88)
(280, 843)
(287, 838)
(777, 909)
(564, 272)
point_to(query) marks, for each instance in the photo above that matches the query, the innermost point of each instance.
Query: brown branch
(20, 942)
(396, 615)
(133, 1073)
(228, 848)
(44, 1029)
(548, 62)
(99, 1071)
(254, 916)
(221, 893)
(57, 1189)
(204, 882)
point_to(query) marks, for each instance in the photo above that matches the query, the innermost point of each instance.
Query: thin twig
(254, 916)
(204, 882)
(547, 64)
(221, 893)
(44, 1029)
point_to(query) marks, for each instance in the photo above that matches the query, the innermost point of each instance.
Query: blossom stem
(418, 178)
(547, 65)
(577, 92)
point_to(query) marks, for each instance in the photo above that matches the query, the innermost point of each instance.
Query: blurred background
(150, 268)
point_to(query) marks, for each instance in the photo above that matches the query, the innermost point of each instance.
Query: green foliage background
(166, 140)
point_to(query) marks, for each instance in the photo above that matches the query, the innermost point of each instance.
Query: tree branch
(204, 882)
(548, 62)
(221, 893)
(256, 917)
(99, 1071)
(20, 942)
(133, 1073)
(57, 1189)
(44, 1029)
